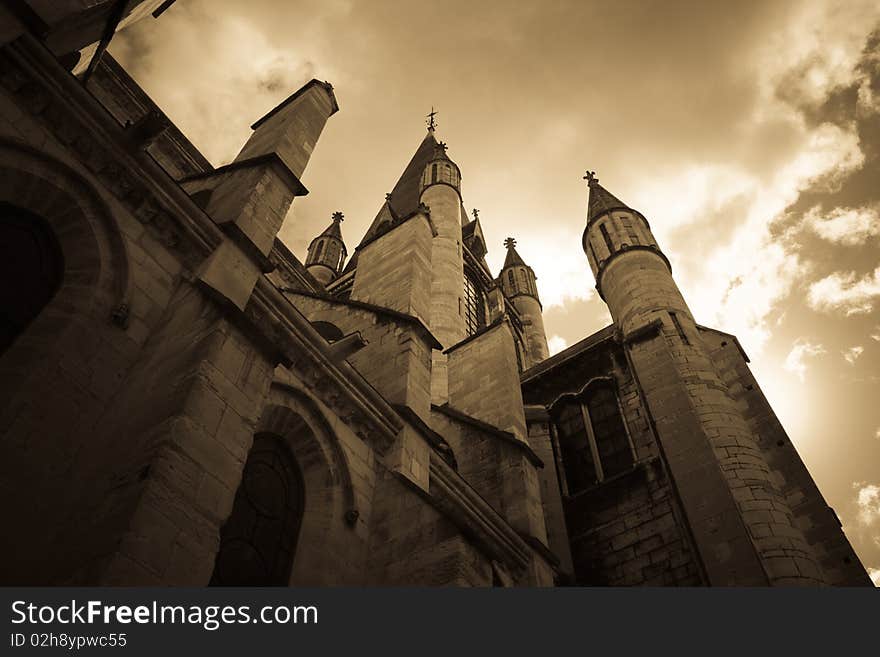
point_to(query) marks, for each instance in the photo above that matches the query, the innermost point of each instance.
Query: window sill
(637, 467)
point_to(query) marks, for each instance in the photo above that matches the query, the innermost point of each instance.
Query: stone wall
(812, 515)
(484, 379)
(394, 271)
(397, 357)
(628, 529)
(499, 467)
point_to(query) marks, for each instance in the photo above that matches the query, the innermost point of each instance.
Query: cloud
(844, 291)
(821, 50)
(801, 350)
(852, 354)
(847, 226)
(868, 96)
(877, 433)
(868, 502)
(563, 274)
(556, 344)
(213, 73)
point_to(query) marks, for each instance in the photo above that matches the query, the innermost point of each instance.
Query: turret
(327, 252)
(741, 523)
(518, 284)
(441, 193)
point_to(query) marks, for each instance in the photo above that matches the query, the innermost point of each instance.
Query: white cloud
(801, 350)
(844, 291)
(214, 99)
(556, 344)
(739, 282)
(877, 433)
(819, 50)
(874, 574)
(848, 226)
(868, 502)
(852, 354)
(563, 274)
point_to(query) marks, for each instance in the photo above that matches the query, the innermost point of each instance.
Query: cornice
(338, 385)
(451, 494)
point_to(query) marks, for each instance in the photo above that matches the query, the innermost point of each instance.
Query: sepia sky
(748, 133)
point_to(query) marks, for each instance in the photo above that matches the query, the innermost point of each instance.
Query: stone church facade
(184, 402)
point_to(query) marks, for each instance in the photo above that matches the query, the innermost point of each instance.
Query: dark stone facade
(174, 372)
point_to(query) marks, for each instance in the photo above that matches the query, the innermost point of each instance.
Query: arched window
(31, 267)
(258, 541)
(433, 173)
(593, 439)
(330, 332)
(510, 280)
(319, 250)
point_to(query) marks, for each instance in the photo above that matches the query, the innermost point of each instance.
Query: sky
(747, 133)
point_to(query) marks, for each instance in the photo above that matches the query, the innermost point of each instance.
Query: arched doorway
(258, 541)
(31, 267)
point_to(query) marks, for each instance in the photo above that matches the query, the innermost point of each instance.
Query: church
(184, 402)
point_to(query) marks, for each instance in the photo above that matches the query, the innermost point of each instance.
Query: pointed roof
(404, 198)
(513, 258)
(601, 200)
(403, 201)
(333, 230)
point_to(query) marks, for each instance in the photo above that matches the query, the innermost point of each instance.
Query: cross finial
(476, 214)
(432, 123)
(338, 216)
(591, 178)
(509, 243)
(388, 196)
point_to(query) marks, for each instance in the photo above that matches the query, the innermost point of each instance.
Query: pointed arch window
(258, 541)
(319, 249)
(510, 280)
(593, 439)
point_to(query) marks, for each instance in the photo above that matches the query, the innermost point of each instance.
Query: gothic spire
(334, 229)
(601, 200)
(513, 258)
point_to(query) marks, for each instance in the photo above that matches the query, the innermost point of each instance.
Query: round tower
(739, 518)
(327, 252)
(518, 285)
(440, 190)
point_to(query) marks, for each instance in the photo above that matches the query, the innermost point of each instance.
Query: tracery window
(258, 541)
(593, 439)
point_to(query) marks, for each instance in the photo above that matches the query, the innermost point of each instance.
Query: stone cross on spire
(338, 216)
(509, 243)
(476, 214)
(591, 178)
(432, 123)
